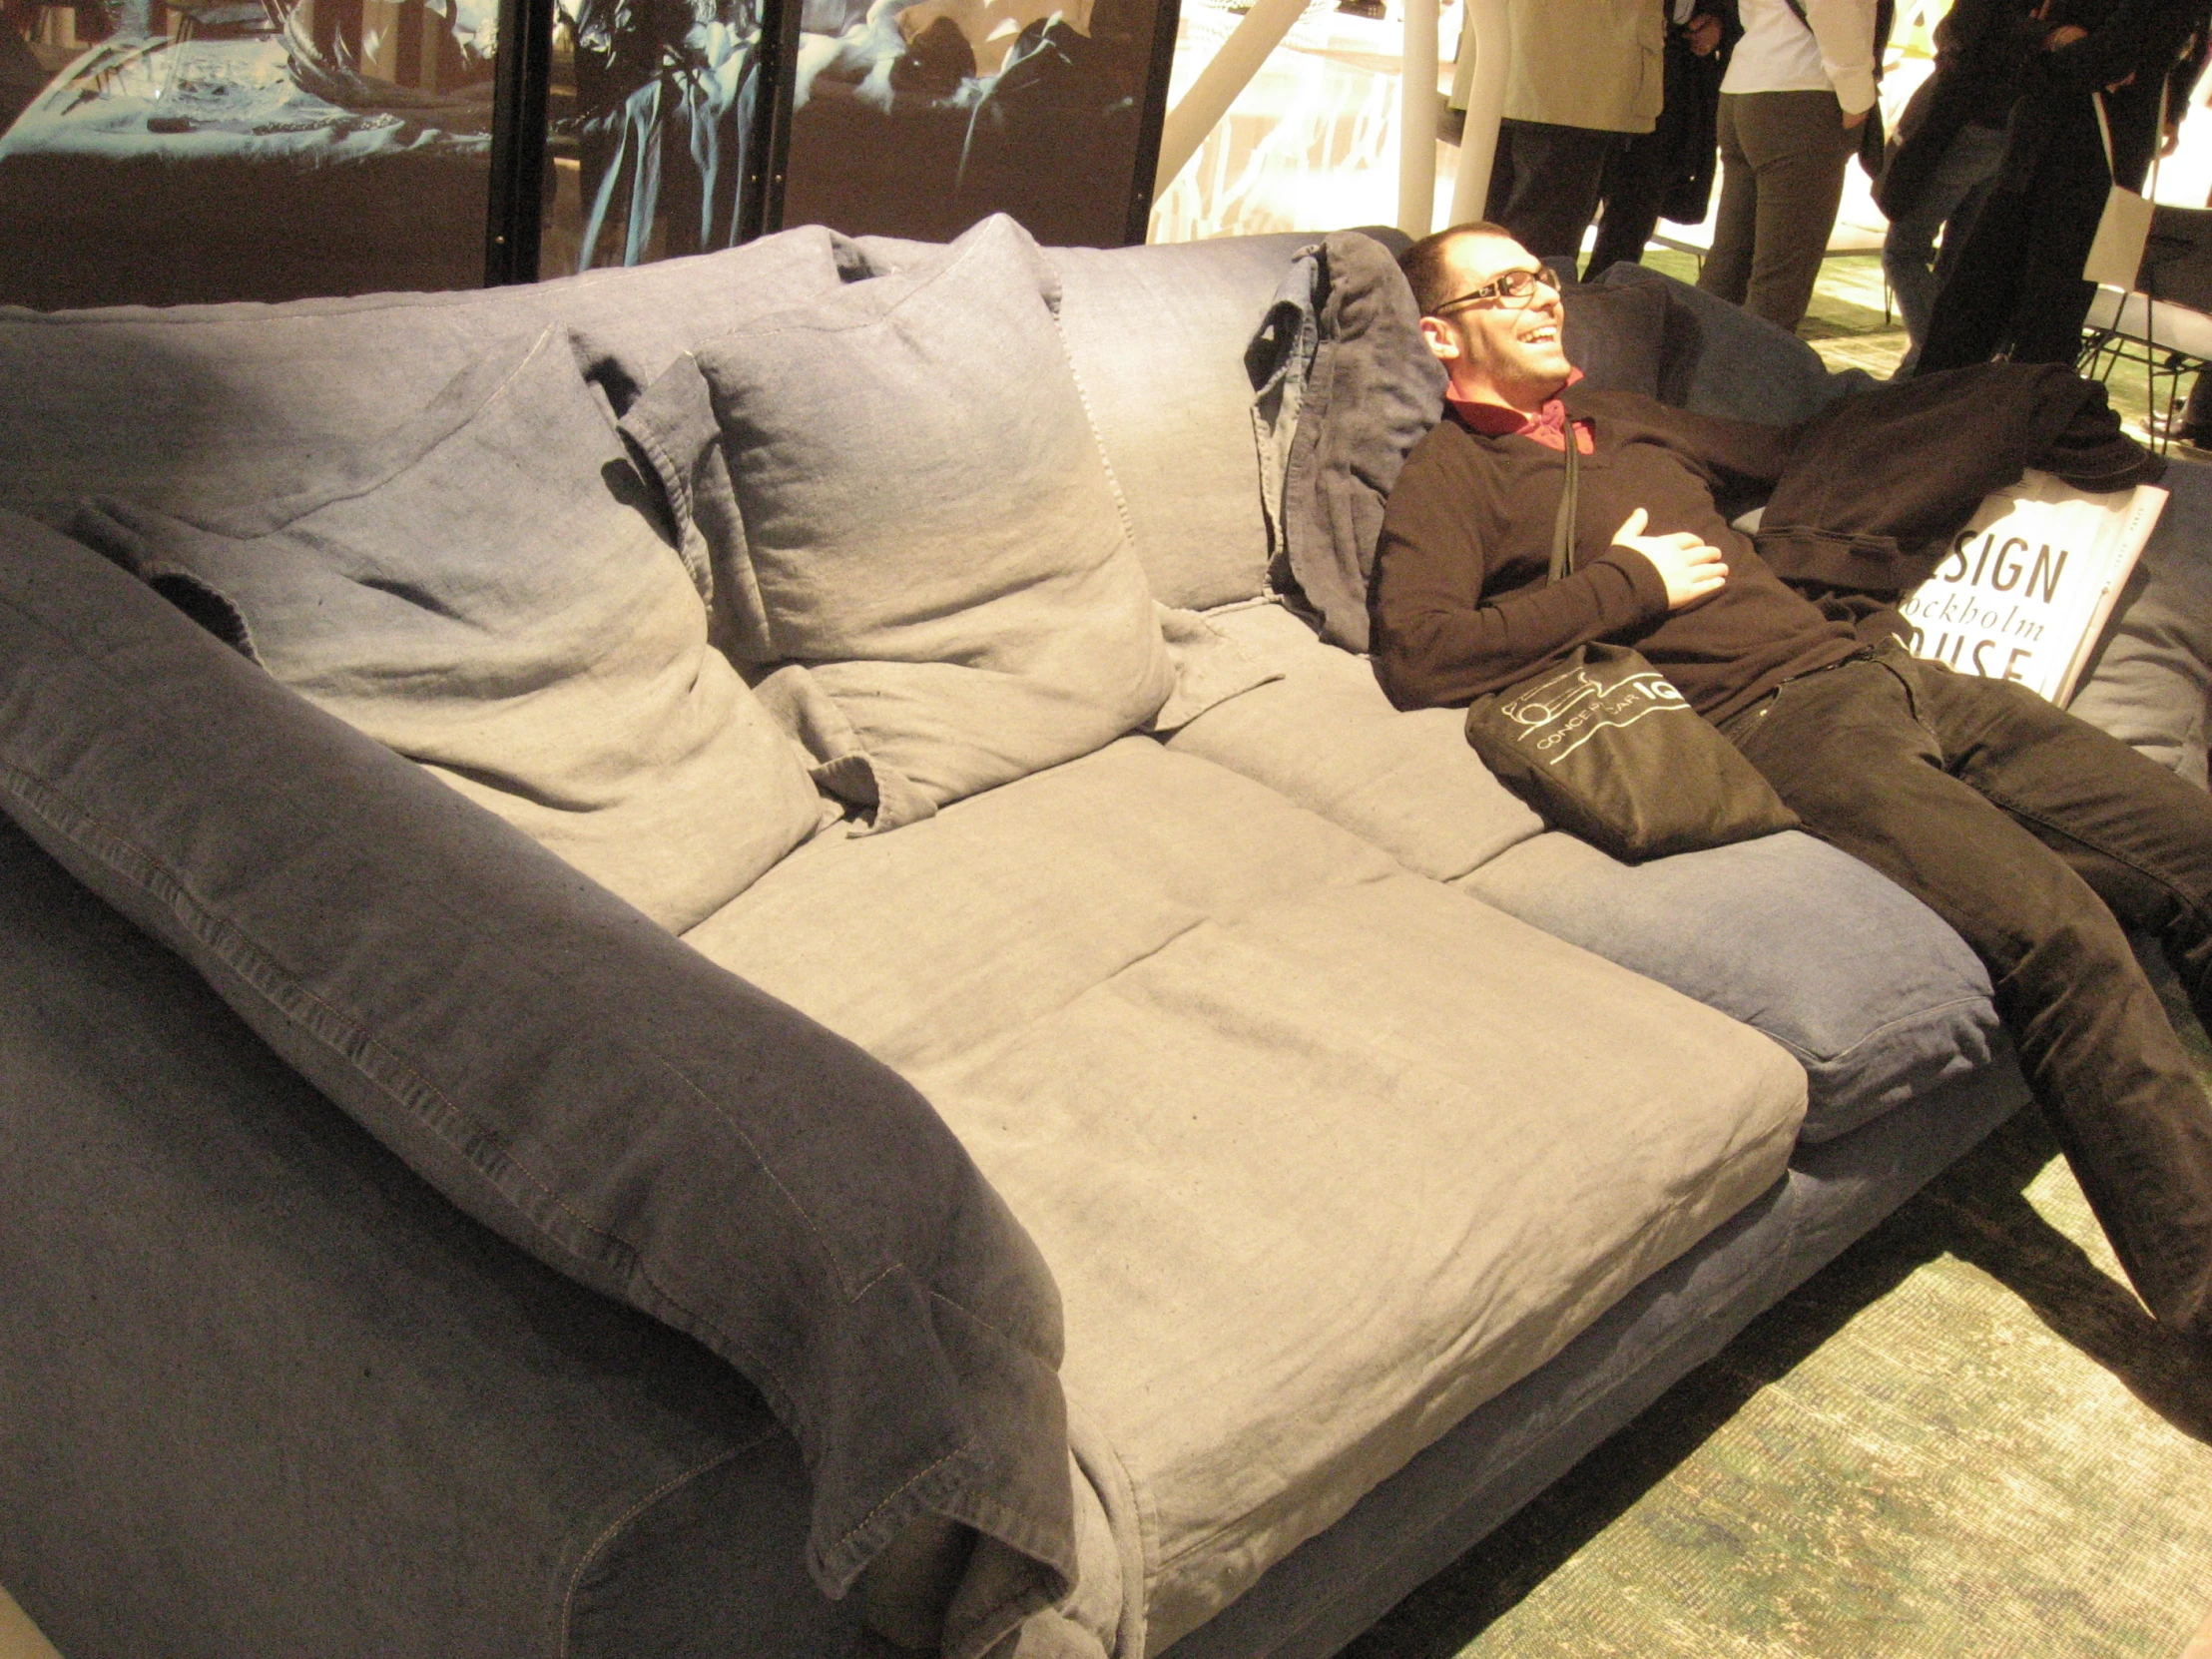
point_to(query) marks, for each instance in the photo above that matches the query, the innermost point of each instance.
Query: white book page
(2029, 584)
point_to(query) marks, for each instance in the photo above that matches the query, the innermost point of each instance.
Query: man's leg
(2054, 296)
(1908, 256)
(2139, 836)
(1973, 316)
(1876, 758)
(1549, 195)
(1634, 183)
(1727, 269)
(1798, 146)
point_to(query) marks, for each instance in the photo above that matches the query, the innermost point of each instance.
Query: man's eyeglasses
(1511, 287)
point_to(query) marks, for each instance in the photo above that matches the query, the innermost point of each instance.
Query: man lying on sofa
(2031, 832)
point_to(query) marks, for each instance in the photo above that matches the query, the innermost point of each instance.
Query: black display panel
(209, 149)
(916, 117)
(659, 117)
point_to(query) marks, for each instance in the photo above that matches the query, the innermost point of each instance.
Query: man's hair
(1428, 263)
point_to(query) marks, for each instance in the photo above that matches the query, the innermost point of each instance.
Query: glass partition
(916, 117)
(165, 151)
(654, 123)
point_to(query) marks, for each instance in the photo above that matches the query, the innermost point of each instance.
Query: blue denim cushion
(1874, 994)
(1719, 360)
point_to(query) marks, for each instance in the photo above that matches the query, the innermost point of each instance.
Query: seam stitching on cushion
(203, 927)
(1146, 1517)
(840, 325)
(961, 1451)
(1887, 1026)
(1593, 1393)
(1592, 1276)
(1098, 439)
(463, 421)
(675, 477)
(822, 1241)
(997, 1329)
(623, 1522)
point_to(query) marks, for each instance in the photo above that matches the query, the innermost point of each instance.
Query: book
(2029, 584)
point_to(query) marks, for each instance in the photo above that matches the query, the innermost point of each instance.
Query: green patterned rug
(1963, 1438)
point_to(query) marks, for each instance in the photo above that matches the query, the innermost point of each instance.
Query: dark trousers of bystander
(2036, 836)
(1782, 176)
(2017, 281)
(1544, 185)
(1637, 176)
(1948, 203)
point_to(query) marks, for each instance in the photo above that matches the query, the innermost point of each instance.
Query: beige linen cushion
(923, 531)
(488, 591)
(1325, 735)
(1320, 1154)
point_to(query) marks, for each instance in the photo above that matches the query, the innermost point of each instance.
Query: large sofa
(1142, 1148)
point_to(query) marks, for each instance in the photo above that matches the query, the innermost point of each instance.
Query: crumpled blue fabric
(1344, 387)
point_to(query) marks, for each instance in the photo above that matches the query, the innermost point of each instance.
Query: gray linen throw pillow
(929, 546)
(489, 590)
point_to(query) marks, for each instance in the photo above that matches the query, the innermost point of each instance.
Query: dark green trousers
(2036, 836)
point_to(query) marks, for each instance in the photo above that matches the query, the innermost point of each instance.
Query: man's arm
(2076, 60)
(1844, 30)
(1440, 637)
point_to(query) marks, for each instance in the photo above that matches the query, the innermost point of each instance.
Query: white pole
(1416, 121)
(1218, 84)
(1489, 35)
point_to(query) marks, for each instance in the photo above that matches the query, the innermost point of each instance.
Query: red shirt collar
(1547, 425)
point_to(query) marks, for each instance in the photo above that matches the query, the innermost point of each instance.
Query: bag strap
(1563, 527)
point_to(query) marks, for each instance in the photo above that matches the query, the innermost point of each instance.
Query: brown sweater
(1461, 604)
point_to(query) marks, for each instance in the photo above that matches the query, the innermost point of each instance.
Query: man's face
(1500, 350)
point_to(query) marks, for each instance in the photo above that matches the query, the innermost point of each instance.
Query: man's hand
(1691, 570)
(1705, 34)
(1852, 123)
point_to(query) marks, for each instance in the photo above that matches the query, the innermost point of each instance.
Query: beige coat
(1587, 63)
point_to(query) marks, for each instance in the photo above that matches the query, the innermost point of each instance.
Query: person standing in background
(1944, 155)
(1586, 76)
(2018, 282)
(1799, 87)
(1667, 172)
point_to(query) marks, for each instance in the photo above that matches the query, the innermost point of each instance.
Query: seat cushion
(925, 527)
(1872, 993)
(1323, 735)
(1321, 1155)
(489, 591)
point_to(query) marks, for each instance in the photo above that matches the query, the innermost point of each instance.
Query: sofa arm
(267, 1393)
(566, 1072)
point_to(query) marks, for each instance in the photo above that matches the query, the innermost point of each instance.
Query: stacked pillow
(490, 590)
(932, 573)
(887, 506)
